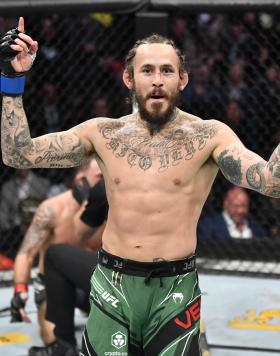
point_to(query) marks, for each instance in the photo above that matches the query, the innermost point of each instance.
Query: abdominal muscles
(152, 225)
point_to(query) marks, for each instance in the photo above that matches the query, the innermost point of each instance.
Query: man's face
(156, 82)
(92, 173)
(237, 206)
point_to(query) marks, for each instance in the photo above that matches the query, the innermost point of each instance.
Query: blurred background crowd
(233, 61)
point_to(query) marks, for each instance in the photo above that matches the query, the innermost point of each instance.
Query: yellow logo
(265, 320)
(13, 338)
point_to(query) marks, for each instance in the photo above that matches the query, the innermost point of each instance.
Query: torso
(156, 185)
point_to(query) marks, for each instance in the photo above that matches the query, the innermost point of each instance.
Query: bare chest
(177, 152)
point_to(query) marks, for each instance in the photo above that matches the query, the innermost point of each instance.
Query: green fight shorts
(143, 308)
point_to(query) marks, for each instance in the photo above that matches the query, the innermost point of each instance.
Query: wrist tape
(20, 287)
(12, 85)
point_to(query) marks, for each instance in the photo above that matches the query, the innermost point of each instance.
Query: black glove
(39, 289)
(17, 303)
(80, 192)
(7, 54)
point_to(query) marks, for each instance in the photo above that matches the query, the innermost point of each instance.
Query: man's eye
(168, 70)
(146, 70)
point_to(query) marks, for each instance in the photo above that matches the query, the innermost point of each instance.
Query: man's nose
(242, 210)
(157, 79)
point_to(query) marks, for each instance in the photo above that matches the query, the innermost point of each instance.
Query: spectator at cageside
(233, 222)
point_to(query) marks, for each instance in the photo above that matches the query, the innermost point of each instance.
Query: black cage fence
(233, 62)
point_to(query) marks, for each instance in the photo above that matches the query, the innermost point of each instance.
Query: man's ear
(184, 80)
(127, 79)
(78, 179)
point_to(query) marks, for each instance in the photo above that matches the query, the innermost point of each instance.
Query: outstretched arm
(56, 150)
(63, 149)
(245, 168)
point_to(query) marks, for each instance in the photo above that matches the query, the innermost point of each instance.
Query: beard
(156, 119)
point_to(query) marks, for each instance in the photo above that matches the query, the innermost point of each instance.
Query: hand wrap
(18, 301)
(12, 82)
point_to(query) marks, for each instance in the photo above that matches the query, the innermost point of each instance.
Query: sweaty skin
(156, 182)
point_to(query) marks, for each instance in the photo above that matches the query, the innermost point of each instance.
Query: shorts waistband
(156, 269)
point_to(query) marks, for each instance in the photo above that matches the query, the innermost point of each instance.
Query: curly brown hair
(154, 38)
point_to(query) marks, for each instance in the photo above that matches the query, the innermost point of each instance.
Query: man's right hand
(17, 307)
(17, 51)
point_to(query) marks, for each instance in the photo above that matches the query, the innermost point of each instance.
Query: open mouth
(157, 97)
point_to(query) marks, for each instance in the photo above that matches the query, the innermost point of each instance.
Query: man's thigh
(105, 334)
(179, 335)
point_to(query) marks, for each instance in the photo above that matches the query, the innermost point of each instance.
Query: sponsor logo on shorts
(118, 340)
(178, 297)
(190, 315)
(108, 297)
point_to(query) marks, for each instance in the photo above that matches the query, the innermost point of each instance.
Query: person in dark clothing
(234, 222)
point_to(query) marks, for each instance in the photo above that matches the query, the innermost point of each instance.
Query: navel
(117, 180)
(177, 181)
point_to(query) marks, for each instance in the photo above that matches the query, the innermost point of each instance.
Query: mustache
(157, 92)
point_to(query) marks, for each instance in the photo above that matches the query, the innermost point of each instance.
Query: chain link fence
(233, 60)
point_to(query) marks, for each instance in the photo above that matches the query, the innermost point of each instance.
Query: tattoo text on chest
(170, 148)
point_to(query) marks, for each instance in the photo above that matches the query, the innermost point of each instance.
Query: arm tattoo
(255, 176)
(231, 167)
(172, 146)
(57, 150)
(260, 176)
(39, 230)
(60, 150)
(274, 163)
(272, 187)
(15, 133)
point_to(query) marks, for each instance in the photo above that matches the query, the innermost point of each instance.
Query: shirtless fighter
(53, 223)
(158, 165)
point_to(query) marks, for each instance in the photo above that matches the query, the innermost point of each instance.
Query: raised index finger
(21, 24)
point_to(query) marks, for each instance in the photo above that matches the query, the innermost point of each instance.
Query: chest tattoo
(170, 147)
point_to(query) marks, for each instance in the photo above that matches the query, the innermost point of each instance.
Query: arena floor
(241, 317)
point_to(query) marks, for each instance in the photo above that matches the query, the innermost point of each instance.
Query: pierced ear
(127, 79)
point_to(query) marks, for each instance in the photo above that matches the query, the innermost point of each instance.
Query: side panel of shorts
(107, 329)
(173, 327)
